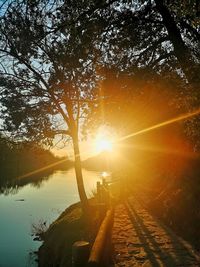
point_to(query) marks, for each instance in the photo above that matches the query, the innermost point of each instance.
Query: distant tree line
(18, 159)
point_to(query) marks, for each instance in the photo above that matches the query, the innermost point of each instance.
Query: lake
(23, 206)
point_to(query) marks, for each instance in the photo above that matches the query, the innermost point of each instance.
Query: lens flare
(47, 167)
(162, 124)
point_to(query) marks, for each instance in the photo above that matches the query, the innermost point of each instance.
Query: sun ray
(164, 150)
(41, 169)
(162, 124)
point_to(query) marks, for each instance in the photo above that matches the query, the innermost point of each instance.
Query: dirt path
(141, 240)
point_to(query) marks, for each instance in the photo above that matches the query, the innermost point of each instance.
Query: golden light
(103, 145)
(104, 174)
(104, 140)
(164, 123)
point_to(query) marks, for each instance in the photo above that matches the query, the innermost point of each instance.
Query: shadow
(177, 242)
(158, 253)
(148, 242)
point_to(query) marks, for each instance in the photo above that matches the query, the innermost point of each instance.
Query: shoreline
(53, 248)
(69, 227)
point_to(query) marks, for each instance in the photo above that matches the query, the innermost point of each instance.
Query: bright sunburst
(103, 145)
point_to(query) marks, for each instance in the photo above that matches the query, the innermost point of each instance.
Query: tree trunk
(79, 176)
(181, 51)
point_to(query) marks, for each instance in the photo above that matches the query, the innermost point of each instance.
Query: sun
(104, 140)
(103, 145)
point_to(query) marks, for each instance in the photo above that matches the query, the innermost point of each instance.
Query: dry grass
(60, 236)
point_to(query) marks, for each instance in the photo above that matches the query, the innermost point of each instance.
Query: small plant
(38, 229)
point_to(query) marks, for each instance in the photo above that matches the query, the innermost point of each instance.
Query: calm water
(42, 202)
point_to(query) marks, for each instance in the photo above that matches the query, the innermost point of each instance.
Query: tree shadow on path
(162, 247)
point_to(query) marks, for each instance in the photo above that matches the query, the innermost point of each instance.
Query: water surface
(33, 202)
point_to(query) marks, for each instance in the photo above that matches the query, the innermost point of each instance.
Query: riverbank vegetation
(63, 232)
(22, 163)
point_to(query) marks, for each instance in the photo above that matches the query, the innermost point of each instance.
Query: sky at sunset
(93, 145)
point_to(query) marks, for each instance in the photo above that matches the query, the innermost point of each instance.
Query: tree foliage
(55, 55)
(59, 49)
(46, 70)
(156, 43)
(47, 73)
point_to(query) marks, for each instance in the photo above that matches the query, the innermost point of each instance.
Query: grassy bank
(69, 227)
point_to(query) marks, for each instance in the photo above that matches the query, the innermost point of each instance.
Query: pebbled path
(139, 239)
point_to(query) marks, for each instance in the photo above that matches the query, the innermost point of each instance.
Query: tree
(152, 41)
(53, 54)
(182, 50)
(47, 74)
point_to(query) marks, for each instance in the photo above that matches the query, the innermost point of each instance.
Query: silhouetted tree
(47, 74)
(152, 42)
